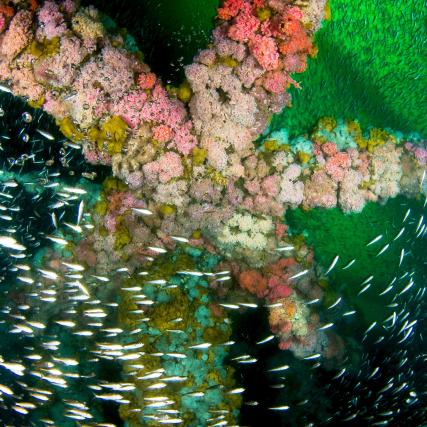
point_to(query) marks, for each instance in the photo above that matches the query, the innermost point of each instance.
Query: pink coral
(231, 8)
(295, 63)
(420, 151)
(130, 106)
(386, 170)
(337, 164)
(18, 35)
(51, 20)
(280, 229)
(206, 57)
(92, 155)
(270, 185)
(254, 282)
(162, 133)
(244, 27)
(26, 85)
(276, 81)
(69, 6)
(421, 155)
(351, 197)
(329, 148)
(2, 22)
(264, 49)
(164, 169)
(248, 71)
(320, 191)
(226, 47)
(278, 289)
(204, 190)
(54, 106)
(135, 179)
(184, 140)
(61, 69)
(291, 189)
(146, 80)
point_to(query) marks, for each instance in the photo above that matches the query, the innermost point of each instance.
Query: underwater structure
(175, 255)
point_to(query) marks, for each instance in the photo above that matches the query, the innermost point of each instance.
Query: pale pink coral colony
(236, 84)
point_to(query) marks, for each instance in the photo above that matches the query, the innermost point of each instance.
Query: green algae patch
(369, 67)
(331, 232)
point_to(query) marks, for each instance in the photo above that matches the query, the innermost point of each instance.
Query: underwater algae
(180, 275)
(373, 52)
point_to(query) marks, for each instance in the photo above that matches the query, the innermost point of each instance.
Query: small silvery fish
(201, 346)
(231, 306)
(399, 234)
(236, 390)
(333, 264)
(142, 211)
(265, 340)
(313, 356)
(58, 240)
(279, 368)
(157, 249)
(335, 303)
(301, 273)
(327, 326)
(363, 290)
(5, 88)
(284, 248)
(180, 239)
(45, 134)
(383, 249)
(80, 212)
(406, 215)
(375, 240)
(11, 243)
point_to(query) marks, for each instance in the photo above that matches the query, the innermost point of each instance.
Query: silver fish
(364, 289)
(58, 240)
(80, 212)
(301, 273)
(284, 248)
(279, 368)
(406, 215)
(265, 340)
(180, 239)
(402, 254)
(335, 303)
(142, 211)
(201, 346)
(375, 240)
(5, 88)
(327, 326)
(383, 249)
(333, 264)
(313, 356)
(45, 134)
(11, 243)
(399, 233)
(349, 264)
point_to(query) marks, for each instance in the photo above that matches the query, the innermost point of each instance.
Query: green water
(331, 232)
